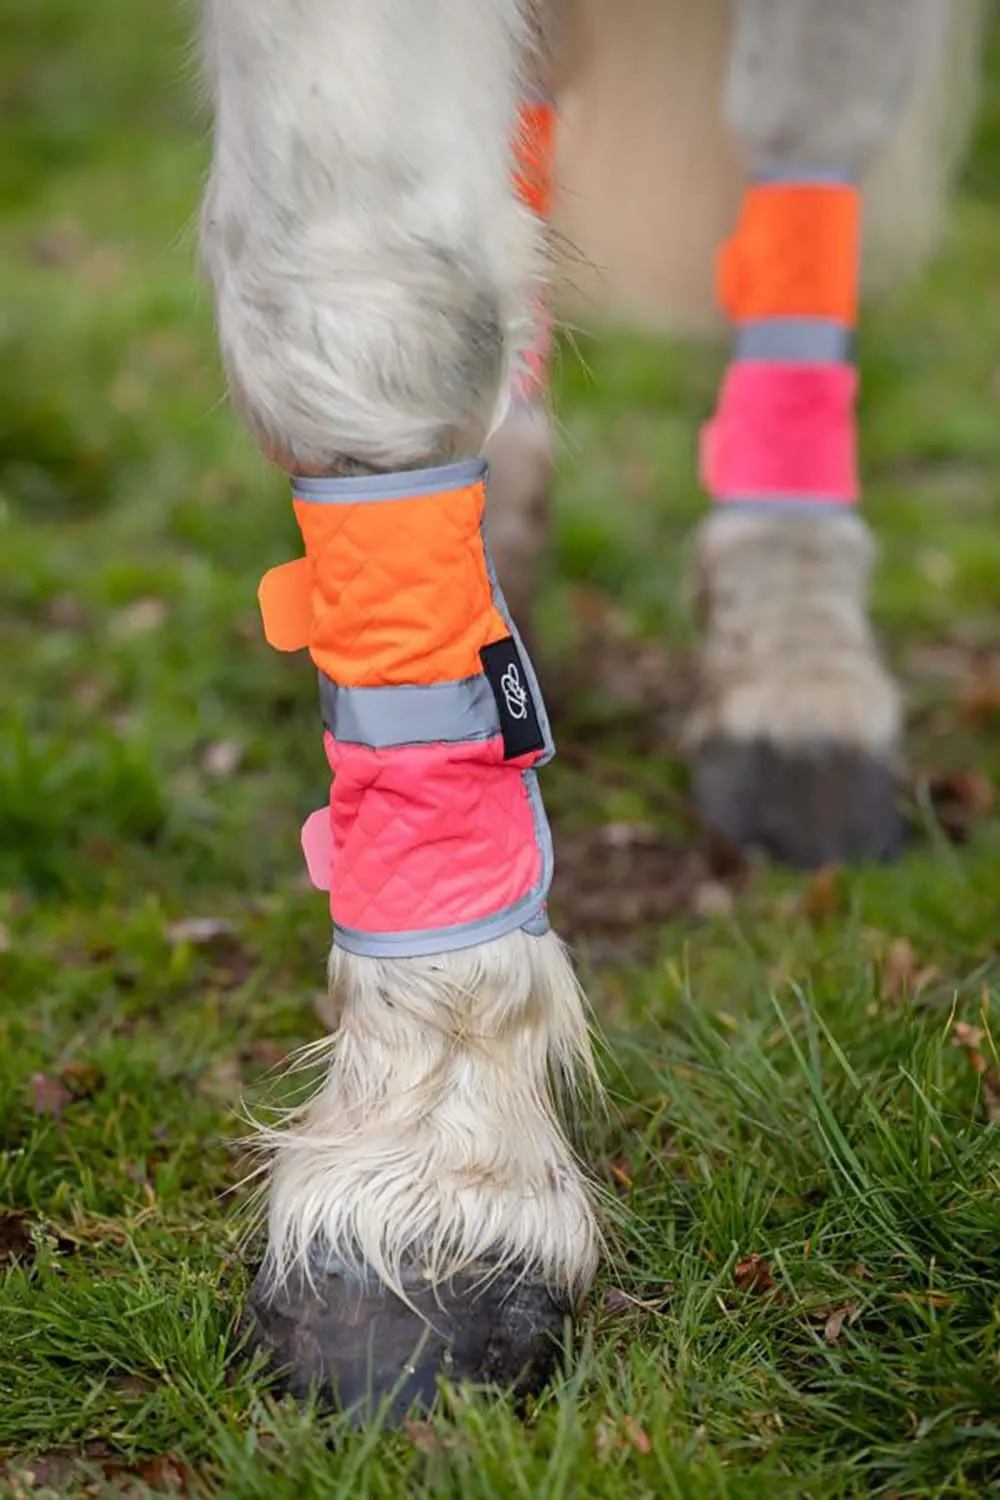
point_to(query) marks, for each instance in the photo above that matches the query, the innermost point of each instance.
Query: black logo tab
(522, 733)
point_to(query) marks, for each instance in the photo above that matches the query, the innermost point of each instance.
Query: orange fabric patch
(794, 254)
(534, 156)
(400, 592)
(285, 606)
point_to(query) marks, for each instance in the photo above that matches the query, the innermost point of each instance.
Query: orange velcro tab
(402, 592)
(794, 254)
(534, 153)
(285, 602)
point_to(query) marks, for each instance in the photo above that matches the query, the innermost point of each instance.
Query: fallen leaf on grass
(222, 758)
(822, 898)
(49, 1096)
(200, 932)
(616, 1301)
(423, 1437)
(635, 1436)
(712, 899)
(970, 1039)
(15, 1239)
(620, 1176)
(960, 799)
(834, 1325)
(139, 617)
(611, 1436)
(81, 1079)
(903, 977)
(51, 1093)
(427, 1439)
(753, 1275)
(898, 969)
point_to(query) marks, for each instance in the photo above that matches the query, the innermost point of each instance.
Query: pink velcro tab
(783, 429)
(286, 605)
(430, 836)
(317, 846)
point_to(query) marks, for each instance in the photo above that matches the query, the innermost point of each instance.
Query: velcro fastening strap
(286, 606)
(794, 254)
(317, 846)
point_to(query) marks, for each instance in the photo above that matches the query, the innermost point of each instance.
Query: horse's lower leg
(795, 742)
(520, 452)
(369, 265)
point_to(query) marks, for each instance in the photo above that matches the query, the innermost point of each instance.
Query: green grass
(785, 1071)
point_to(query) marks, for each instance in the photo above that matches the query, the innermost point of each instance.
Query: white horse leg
(795, 743)
(370, 271)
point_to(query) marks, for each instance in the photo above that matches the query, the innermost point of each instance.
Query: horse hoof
(366, 1352)
(813, 805)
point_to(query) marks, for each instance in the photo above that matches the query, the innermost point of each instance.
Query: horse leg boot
(795, 740)
(369, 262)
(520, 451)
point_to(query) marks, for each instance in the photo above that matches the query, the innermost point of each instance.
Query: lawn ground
(804, 1159)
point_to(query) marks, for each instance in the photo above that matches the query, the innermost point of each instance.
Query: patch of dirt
(615, 686)
(616, 885)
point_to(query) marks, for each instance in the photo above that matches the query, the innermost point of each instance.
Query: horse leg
(520, 452)
(795, 741)
(370, 267)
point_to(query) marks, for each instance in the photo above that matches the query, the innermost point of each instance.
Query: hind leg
(795, 743)
(520, 452)
(369, 268)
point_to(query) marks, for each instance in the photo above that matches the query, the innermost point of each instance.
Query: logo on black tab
(515, 693)
(522, 733)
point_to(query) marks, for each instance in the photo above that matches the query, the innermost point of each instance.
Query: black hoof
(364, 1351)
(822, 804)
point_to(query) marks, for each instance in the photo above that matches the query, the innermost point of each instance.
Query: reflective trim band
(795, 505)
(386, 717)
(805, 176)
(818, 341)
(410, 484)
(527, 914)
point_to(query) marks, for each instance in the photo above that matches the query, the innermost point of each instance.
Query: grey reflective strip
(527, 914)
(811, 340)
(387, 717)
(795, 505)
(807, 176)
(406, 485)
